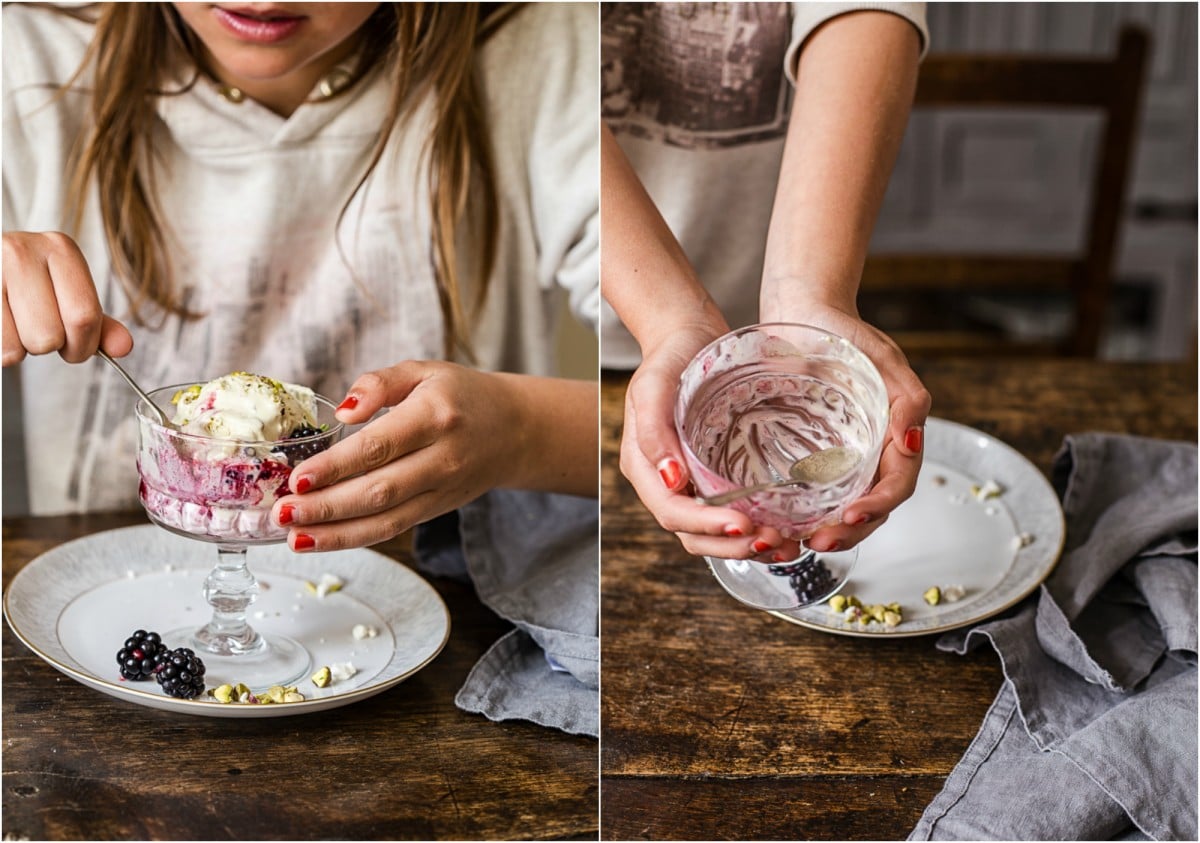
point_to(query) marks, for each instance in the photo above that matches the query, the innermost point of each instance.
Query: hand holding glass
(751, 406)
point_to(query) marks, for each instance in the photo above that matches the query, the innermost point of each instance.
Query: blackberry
(808, 576)
(296, 454)
(136, 658)
(180, 673)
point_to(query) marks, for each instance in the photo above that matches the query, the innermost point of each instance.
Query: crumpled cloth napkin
(533, 558)
(1093, 734)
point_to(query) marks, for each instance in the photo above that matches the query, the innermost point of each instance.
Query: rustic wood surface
(722, 722)
(405, 764)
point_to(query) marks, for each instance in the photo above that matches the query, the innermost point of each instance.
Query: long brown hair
(431, 50)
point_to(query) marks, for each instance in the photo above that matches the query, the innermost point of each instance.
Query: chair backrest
(1110, 85)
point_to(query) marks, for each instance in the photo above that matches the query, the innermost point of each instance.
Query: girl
(313, 192)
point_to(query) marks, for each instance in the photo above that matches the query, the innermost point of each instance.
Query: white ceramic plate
(75, 605)
(997, 549)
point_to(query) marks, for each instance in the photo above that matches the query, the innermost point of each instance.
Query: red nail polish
(760, 546)
(287, 514)
(913, 439)
(861, 518)
(732, 531)
(304, 542)
(670, 472)
(833, 547)
(303, 485)
(348, 403)
(780, 557)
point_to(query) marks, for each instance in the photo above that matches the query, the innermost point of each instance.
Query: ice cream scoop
(244, 407)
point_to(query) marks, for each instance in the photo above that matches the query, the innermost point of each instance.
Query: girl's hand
(652, 460)
(452, 433)
(900, 461)
(50, 301)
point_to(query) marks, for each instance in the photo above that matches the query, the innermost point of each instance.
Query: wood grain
(406, 764)
(722, 722)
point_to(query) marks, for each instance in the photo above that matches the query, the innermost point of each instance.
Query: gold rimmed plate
(75, 605)
(983, 519)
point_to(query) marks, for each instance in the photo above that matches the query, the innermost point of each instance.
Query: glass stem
(230, 589)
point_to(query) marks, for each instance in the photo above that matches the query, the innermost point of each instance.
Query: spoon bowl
(819, 467)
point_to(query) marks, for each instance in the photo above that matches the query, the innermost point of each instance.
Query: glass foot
(784, 585)
(269, 660)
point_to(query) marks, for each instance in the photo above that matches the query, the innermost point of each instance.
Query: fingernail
(304, 542)
(287, 513)
(303, 484)
(832, 547)
(670, 472)
(861, 518)
(780, 557)
(732, 530)
(913, 439)
(761, 546)
(348, 403)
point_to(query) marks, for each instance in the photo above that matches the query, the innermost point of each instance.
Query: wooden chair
(1112, 86)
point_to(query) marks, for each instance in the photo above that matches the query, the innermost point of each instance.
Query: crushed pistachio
(852, 610)
(322, 677)
(933, 595)
(328, 584)
(990, 489)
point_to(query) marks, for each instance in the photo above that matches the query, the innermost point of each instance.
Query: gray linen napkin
(1093, 734)
(534, 560)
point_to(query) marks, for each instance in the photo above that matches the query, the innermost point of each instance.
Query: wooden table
(722, 722)
(405, 764)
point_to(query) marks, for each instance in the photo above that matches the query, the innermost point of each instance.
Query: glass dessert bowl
(220, 489)
(751, 407)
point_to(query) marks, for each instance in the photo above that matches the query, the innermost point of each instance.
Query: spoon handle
(746, 491)
(162, 416)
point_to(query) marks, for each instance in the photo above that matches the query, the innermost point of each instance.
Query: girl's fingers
(14, 352)
(652, 398)
(383, 441)
(360, 531)
(373, 391)
(115, 337)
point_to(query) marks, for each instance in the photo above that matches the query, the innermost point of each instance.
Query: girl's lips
(258, 27)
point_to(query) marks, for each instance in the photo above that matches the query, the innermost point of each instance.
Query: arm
(651, 285)
(854, 88)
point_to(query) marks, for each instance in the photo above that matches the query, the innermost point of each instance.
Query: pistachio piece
(895, 607)
(293, 696)
(854, 601)
(838, 603)
(891, 618)
(933, 595)
(322, 677)
(222, 694)
(876, 611)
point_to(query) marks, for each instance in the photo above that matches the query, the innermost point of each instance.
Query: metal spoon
(163, 419)
(818, 467)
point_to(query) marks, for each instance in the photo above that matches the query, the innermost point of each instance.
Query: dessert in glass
(751, 406)
(213, 475)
